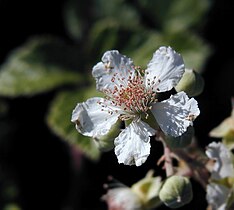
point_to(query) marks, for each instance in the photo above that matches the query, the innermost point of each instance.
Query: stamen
(130, 94)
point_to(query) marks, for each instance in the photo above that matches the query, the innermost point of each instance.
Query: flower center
(131, 94)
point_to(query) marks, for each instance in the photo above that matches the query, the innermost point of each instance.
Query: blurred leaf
(228, 140)
(103, 36)
(12, 206)
(59, 120)
(175, 15)
(225, 128)
(3, 107)
(193, 50)
(109, 33)
(78, 16)
(115, 22)
(41, 64)
(142, 55)
(183, 14)
(118, 10)
(75, 17)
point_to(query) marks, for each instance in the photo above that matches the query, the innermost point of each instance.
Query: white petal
(165, 68)
(132, 146)
(92, 119)
(217, 196)
(122, 198)
(176, 114)
(115, 65)
(223, 166)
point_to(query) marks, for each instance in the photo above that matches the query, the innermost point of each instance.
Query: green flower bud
(181, 141)
(148, 189)
(176, 191)
(106, 143)
(192, 83)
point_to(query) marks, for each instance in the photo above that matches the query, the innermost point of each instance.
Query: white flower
(131, 95)
(217, 196)
(220, 195)
(223, 166)
(122, 198)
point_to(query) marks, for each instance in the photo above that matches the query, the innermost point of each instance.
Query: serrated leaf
(41, 64)
(59, 120)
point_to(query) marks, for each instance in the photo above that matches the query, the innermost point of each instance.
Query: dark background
(42, 166)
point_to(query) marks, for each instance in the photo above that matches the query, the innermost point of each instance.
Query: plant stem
(168, 160)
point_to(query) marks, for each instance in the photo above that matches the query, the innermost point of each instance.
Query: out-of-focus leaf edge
(59, 121)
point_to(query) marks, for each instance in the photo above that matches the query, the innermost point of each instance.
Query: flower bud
(106, 143)
(120, 197)
(148, 190)
(181, 141)
(176, 191)
(192, 83)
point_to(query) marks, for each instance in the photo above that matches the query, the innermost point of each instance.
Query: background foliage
(48, 50)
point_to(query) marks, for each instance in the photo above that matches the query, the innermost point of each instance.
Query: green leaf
(3, 107)
(175, 15)
(75, 18)
(41, 64)
(109, 33)
(118, 10)
(143, 54)
(12, 206)
(103, 36)
(59, 120)
(192, 48)
(184, 14)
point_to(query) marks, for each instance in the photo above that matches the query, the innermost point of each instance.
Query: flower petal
(115, 68)
(164, 70)
(122, 198)
(132, 146)
(94, 119)
(217, 196)
(223, 166)
(176, 114)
